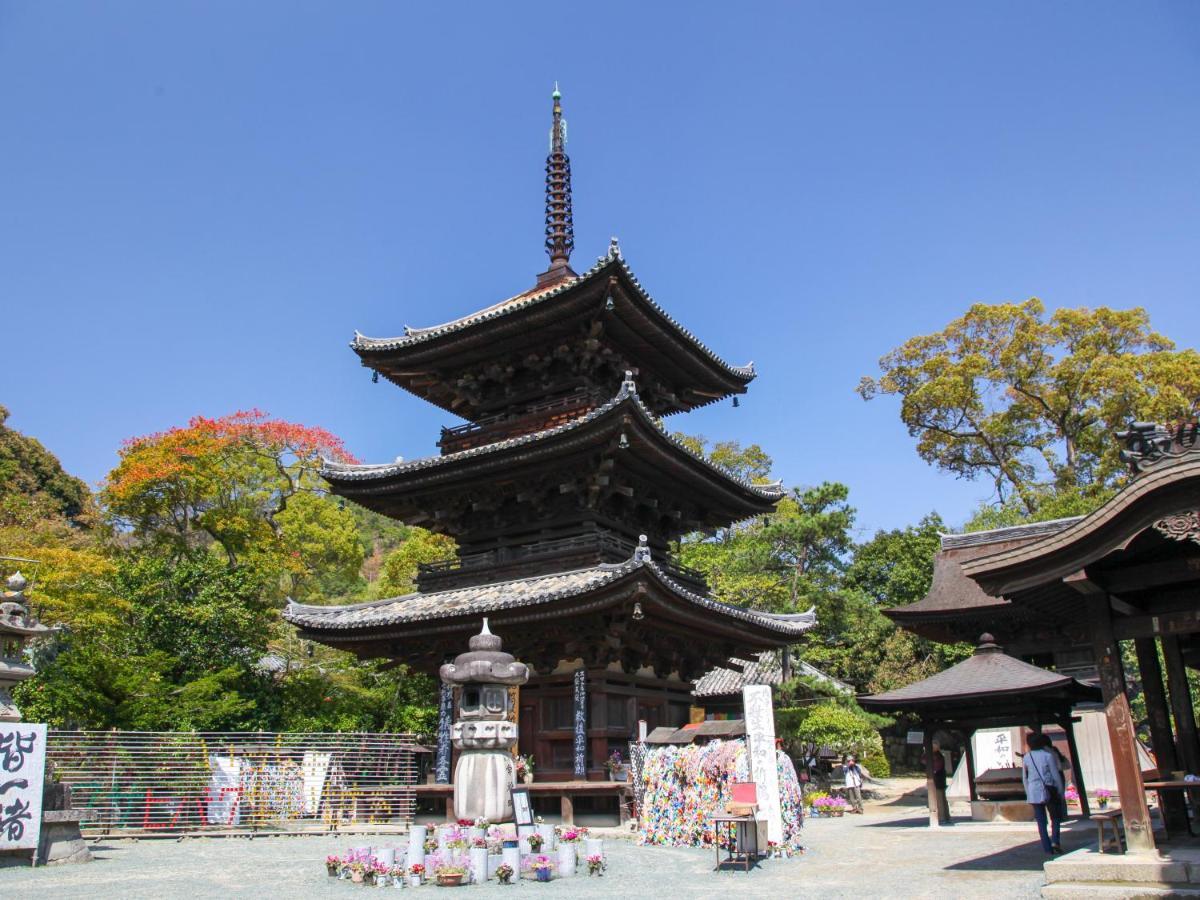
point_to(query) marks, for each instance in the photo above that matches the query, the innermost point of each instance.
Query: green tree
(399, 574)
(1031, 402)
(33, 485)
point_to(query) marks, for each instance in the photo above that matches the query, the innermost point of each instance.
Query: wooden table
(1161, 787)
(746, 826)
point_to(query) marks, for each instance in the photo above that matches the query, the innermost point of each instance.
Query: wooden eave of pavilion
(396, 489)
(989, 686)
(587, 613)
(423, 360)
(957, 609)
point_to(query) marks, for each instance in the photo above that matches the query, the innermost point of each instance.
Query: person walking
(1044, 789)
(853, 781)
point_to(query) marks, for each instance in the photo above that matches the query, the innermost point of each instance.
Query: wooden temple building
(1065, 595)
(564, 492)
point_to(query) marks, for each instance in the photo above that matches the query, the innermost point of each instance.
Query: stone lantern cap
(485, 663)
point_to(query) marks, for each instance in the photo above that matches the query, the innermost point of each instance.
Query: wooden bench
(1105, 820)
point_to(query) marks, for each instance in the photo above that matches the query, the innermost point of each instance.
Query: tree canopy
(1031, 402)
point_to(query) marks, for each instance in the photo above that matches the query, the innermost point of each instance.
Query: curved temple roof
(523, 594)
(604, 264)
(347, 473)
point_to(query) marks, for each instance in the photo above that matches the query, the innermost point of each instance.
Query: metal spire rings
(560, 226)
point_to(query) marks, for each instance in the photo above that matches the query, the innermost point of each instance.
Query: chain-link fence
(158, 783)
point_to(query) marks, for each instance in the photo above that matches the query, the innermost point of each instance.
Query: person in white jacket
(1044, 787)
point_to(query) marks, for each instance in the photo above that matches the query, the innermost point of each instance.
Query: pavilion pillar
(1163, 742)
(1068, 725)
(1181, 703)
(930, 791)
(1138, 831)
(970, 760)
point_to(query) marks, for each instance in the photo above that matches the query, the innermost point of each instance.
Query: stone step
(1088, 866)
(1077, 890)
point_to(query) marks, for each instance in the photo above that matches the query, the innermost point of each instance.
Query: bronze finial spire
(560, 226)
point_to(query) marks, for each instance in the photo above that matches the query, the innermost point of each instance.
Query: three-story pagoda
(563, 491)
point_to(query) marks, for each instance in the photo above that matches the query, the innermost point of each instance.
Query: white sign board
(915, 737)
(22, 771)
(764, 767)
(993, 749)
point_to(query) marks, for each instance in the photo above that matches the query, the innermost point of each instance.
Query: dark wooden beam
(1162, 740)
(1181, 703)
(1173, 623)
(1145, 576)
(1139, 832)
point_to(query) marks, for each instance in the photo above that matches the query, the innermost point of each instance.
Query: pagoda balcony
(537, 417)
(543, 557)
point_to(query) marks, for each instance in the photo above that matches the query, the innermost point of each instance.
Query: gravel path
(886, 853)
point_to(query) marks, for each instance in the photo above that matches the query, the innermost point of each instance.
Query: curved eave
(1068, 691)
(510, 604)
(479, 331)
(349, 479)
(1148, 498)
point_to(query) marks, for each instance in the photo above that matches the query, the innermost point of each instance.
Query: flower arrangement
(570, 834)
(431, 844)
(456, 838)
(542, 867)
(614, 761)
(812, 797)
(358, 864)
(481, 822)
(479, 843)
(505, 873)
(465, 823)
(596, 864)
(524, 766)
(397, 872)
(417, 869)
(1071, 795)
(333, 864)
(830, 806)
(535, 842)
(378, 874)
(450, 872)
(1102, 797)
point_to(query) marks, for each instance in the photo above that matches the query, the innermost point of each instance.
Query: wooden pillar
(970, 751)
(1138, 831)
(1174, 812)
(1181, 704)
(929, 788)
(1068, 725)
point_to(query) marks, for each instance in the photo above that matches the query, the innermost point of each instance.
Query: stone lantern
(16, 628)
(485, 773)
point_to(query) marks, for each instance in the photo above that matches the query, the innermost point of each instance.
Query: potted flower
(416, 872)
(524, 766)
(1071, 795)
(382, 873)
(333, 865)
(358, 869)
(596, 864)
(617, 770)
(450, 874)
(431, 844)
(479, 859)
(396, 874)
(535, 842)
(542, 867)
(505, 873)
(568, 843)
(1102, 797)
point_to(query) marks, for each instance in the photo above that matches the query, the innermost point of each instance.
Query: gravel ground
(886, 853)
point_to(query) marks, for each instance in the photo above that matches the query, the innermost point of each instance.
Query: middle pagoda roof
(578, 331)
(567, 458)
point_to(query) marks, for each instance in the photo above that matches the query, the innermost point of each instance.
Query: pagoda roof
(526, 593)
(988, 675)
(417, 627)
(661, 340)
(371, 484)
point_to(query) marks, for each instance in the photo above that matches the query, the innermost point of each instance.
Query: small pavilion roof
(766, 668)
(653, 335)
(988, 675)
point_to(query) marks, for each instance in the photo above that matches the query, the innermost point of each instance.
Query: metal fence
(161, 783)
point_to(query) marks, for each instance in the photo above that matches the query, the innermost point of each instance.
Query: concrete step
(1078, 890)
(1090, 866)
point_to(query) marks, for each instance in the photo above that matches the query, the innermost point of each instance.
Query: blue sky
(201, 201)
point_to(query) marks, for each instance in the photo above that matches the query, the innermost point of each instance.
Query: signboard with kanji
(22, 770)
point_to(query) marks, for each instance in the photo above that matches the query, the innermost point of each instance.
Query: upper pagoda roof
(373, 485)
(650, 339)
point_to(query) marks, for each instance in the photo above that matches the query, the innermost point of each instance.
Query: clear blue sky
(201, 201)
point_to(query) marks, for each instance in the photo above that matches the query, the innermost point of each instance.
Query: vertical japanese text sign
(580, 723)
(22, 770)
(760, 740)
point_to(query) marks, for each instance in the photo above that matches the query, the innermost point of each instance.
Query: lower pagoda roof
(636, 598)
(401, 489)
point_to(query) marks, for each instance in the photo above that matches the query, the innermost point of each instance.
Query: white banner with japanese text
(22, 771)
